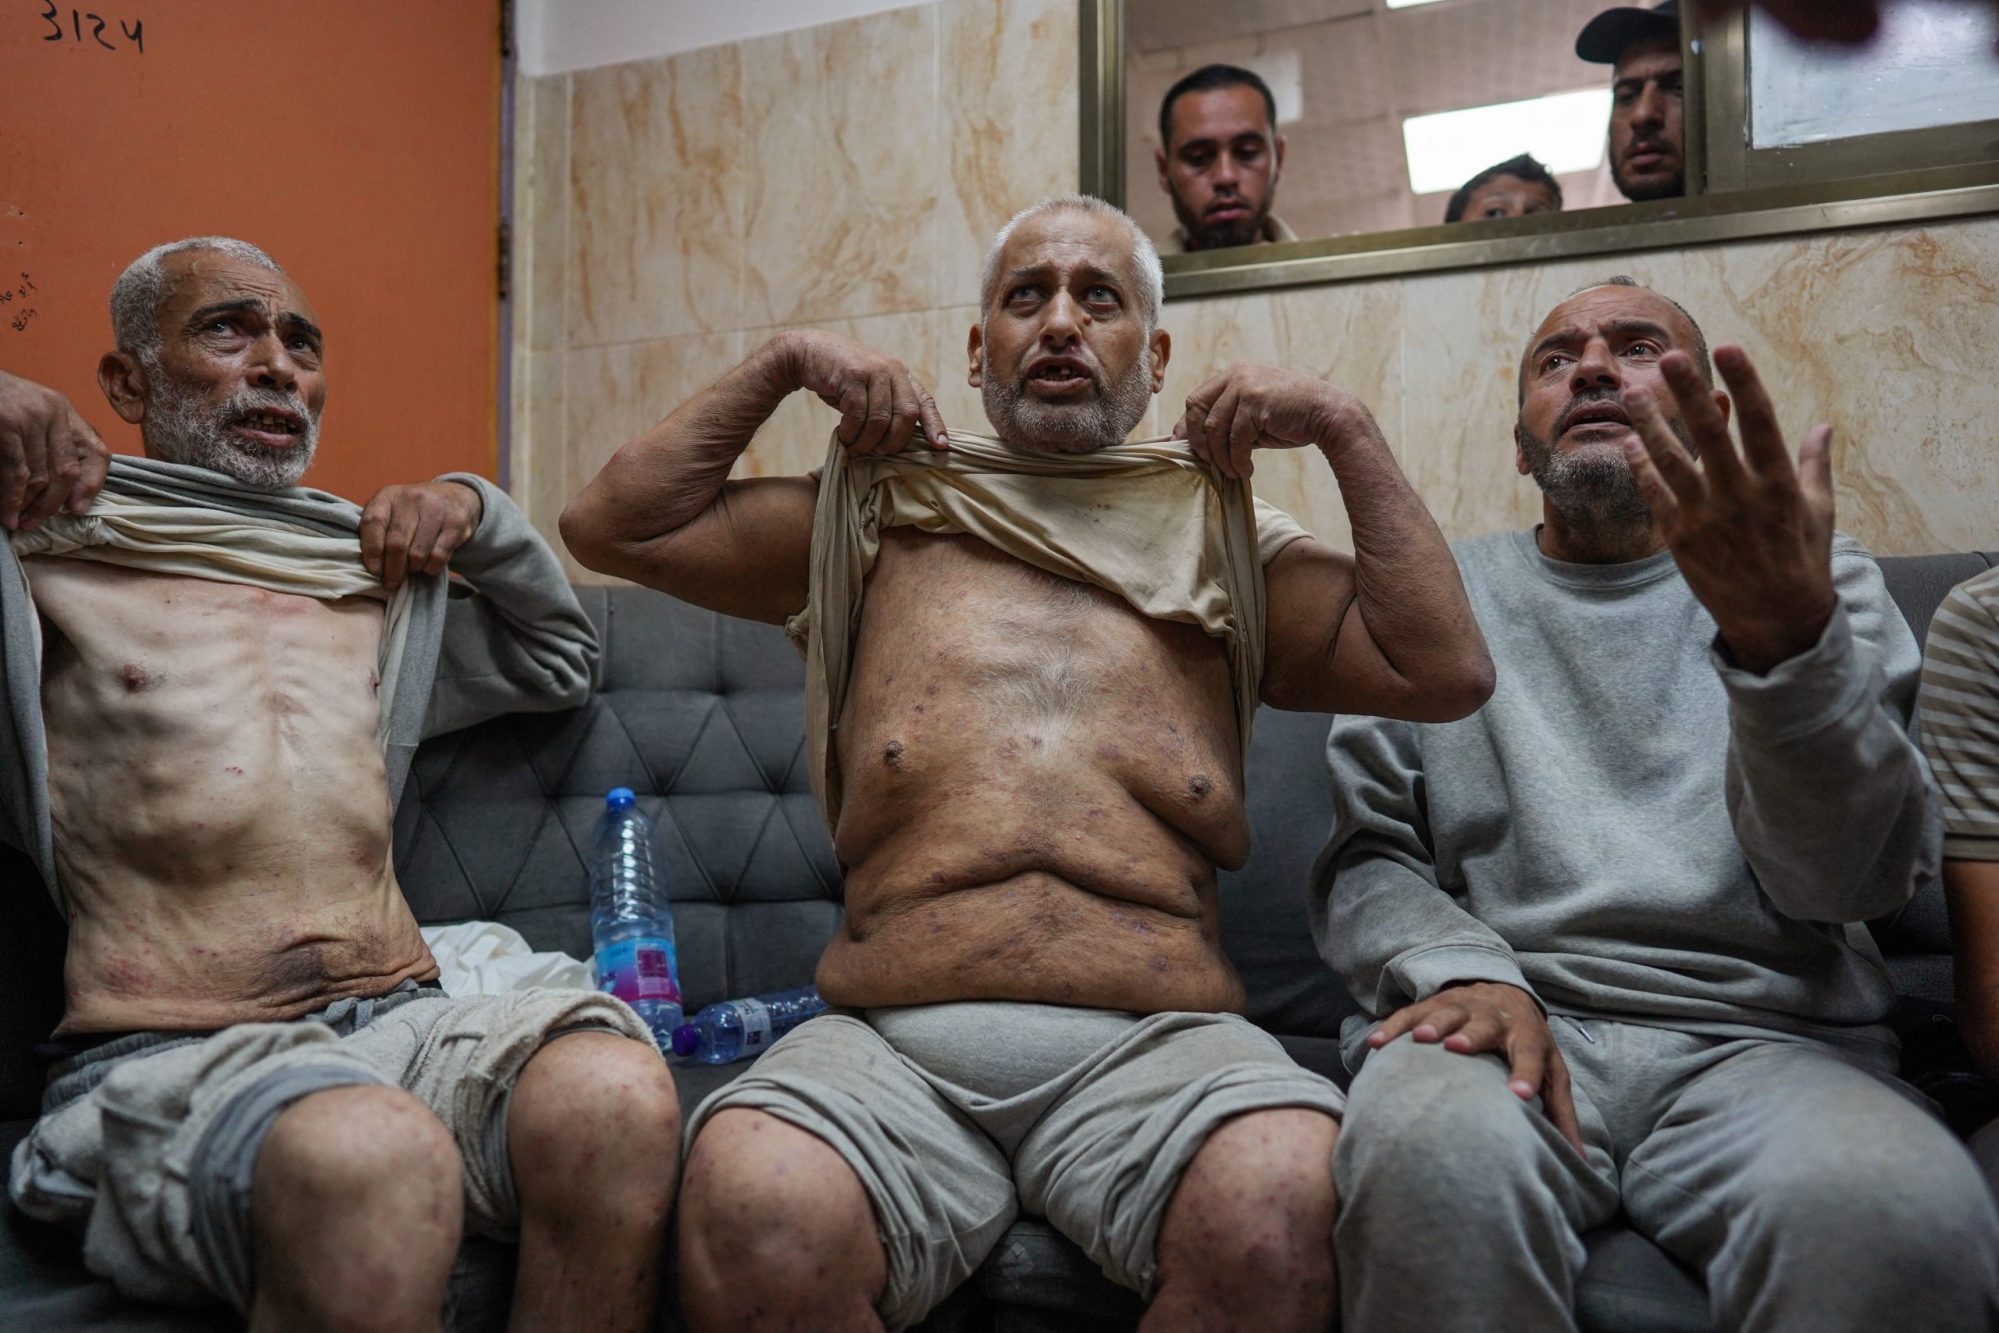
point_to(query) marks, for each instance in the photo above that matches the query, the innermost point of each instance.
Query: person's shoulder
(1969, 613)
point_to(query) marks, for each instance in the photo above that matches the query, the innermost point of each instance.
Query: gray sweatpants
(955, 1117)
(1812, 1193)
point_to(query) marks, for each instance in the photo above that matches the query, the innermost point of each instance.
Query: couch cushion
(702, 716)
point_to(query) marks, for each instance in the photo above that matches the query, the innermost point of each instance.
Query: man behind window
(1219, 157)
(1648, 158)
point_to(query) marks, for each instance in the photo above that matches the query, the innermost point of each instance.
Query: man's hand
(1249, 407)
(1751, 532)
(880, 402)
(50, 458)
(1492, 1016)
(414, 529)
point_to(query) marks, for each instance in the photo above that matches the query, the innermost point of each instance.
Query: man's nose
(273, 366)
(1649, 111)
(1227, 172)
(1595, 368)
(1061, 320)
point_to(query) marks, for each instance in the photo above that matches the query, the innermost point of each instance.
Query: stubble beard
(1102, 420)
(1219, 235)
(181, 428)
(1593, 489)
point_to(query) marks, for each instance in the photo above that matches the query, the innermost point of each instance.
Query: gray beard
(180, 428)
(1104, 419)
(1594, 492)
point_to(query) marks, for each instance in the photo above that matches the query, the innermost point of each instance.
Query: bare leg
(776, 1233)
(1247, 1240)
(594, 1138)
(355, 1210)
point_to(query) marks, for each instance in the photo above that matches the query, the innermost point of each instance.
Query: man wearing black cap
(1648, 158)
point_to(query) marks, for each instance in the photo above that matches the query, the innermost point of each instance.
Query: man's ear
(1519, 453)
(1722, 405)
(1280, 159)
(1161, 344)
(1159, 164)
(124, 385)
(973, 343)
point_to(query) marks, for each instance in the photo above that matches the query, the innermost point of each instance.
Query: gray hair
(1146, 273)
(142, 288)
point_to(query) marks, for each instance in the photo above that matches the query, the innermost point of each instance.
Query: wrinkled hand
(1249, 407)
(880, 402)
(50, 458)
(1492, 1016)
(1751, 532)
(414, 529)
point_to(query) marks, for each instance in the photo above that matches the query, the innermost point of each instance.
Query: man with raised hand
(215, 682)
(1610, 934)
(1031, 667)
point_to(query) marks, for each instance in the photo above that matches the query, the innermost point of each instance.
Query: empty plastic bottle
(743, 1029)
(631, 925)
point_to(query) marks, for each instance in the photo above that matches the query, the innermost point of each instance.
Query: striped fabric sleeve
(1960, 716)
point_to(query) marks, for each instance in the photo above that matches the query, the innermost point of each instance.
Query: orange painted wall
(357, 141)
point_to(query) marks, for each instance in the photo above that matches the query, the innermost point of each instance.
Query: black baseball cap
(1604, 38)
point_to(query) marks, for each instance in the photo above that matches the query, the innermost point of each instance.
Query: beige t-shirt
(1145, 520)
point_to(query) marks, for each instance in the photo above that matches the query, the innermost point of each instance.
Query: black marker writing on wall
(88, 29)
(14, 303)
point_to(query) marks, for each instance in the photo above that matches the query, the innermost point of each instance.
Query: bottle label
(756, 1025)
(638, 970)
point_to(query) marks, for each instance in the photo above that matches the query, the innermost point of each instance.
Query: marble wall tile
(1008, 92)
(540, 409)
(658, 186)
(613, 393)
(1349, 336)
(962, 406)
(838, 187)
(540, 282)
(794, 440)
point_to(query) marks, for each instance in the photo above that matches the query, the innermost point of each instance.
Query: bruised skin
(1038, 784)
(221, 813)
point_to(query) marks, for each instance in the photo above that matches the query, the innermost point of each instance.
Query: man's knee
(763, 1194)
(1419, 1112)
(1255, 1208)
(361, 1146)
(588, 1091)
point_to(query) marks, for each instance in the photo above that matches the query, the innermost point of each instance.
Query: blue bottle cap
(619, 798)
(686, 1039)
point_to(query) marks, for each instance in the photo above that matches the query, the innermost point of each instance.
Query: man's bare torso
(221, 811)
(1038, 783)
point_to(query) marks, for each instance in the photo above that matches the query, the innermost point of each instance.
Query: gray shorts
(147, 1143)
(957, 1117)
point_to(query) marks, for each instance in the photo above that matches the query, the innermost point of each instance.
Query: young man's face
(1062, 356)
(1220, 165)
(1647, 142)
(1509, 197)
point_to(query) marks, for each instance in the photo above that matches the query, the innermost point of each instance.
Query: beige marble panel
(1887, 334)
(838, 178)
(538, 466)
(961, 405)
(614, 393)
(541, 212)
(1349, 336)
(1008, 98)
(658, 197)
(794, 440)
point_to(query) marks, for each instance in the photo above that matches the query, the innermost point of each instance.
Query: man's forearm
(1408, 595)
(670, 475)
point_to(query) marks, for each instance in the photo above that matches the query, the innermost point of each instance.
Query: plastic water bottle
(744, 1029)
(630, 922)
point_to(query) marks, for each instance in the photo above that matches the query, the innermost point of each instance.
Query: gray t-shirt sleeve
(1830, 800)
(520, 642)
(1382, 920)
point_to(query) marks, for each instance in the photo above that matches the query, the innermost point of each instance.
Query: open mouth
(1604, 413)
(1059, 376)
(271, 427)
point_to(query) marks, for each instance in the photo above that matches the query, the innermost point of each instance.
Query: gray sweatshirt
(513, 639)
(1632, 827)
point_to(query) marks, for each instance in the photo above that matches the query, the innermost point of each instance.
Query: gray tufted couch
(702, 716)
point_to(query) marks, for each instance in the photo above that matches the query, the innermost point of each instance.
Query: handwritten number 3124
(134, 32)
